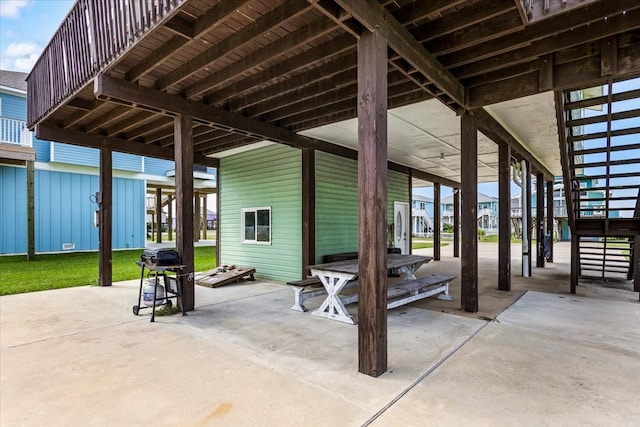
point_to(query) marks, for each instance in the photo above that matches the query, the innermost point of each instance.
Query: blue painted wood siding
(13, 210)
(13, 106)
(337, 203)
(85, 156)
(64, 211)
(154, 166)
(269, 176)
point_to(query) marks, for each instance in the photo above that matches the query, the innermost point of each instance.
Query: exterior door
(402, 227)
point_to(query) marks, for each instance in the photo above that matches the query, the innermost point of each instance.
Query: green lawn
(420, 243)
(54, 271)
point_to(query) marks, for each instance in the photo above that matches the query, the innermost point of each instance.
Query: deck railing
(15, 132)
(92, 35)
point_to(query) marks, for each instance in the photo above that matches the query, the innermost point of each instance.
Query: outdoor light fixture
(441, 156)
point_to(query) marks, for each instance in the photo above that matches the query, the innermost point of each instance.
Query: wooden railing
(92, 35)
(15, 132)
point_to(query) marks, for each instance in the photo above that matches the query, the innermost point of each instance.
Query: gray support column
(504, 217)
(436, 221)
(413, 226)
(205, 215)
(197, 217)
(550, 219)
(540, 199)
(456, 223)
(159, 215)
(105, 204)
(372, 196)
(31, 212)
(183, 151)
(469, 183)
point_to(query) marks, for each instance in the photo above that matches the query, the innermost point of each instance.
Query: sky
(26, 26)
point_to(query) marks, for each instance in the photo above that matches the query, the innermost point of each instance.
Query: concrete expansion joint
(424, 376)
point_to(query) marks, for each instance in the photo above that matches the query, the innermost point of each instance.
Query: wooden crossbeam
(375, 18)
(73, 137)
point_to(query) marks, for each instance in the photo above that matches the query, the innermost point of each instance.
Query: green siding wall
(337, 203)
(269, 176)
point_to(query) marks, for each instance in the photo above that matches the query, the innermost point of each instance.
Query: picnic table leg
(445, 295)
(332, 307)
(409, 271)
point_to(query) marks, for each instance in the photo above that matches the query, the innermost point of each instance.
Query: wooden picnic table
(335, 276)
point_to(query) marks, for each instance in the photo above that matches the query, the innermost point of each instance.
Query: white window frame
(243, 212)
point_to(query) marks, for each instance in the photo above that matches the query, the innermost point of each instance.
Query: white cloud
(11, 8)
(20, 56)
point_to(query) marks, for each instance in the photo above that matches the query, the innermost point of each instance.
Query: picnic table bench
(337, 276)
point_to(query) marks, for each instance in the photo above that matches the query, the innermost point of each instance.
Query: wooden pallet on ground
(222, 276)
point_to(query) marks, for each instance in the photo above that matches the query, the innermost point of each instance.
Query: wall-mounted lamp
(441, 156)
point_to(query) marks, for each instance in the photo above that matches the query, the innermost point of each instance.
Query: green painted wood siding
(337, 203)
(268, 176)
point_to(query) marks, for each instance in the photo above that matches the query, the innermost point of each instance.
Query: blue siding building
(66, 181)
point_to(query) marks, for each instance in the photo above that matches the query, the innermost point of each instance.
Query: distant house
(487, 212)
(421, 215)
(66, 185)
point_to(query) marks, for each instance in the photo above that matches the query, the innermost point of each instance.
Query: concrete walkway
(79, 356)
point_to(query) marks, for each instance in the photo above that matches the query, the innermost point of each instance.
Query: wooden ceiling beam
(210, 20)
(106, 87)
(105, 119)
(375, 18)
(559, 32)
(50, 133)
(274, 18)
(418, 11)
(331, 49)
(138, 118)
(333, 70)
(306, 34)
(582, 73)
(150, 127)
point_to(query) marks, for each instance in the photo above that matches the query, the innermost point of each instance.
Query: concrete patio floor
(79, 356)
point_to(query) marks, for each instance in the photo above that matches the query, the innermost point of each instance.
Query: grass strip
(66, 270)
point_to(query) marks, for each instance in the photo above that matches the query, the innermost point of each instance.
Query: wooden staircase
(605, 259)
(600, 152)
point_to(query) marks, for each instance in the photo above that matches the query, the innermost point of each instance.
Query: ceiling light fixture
(441, 156)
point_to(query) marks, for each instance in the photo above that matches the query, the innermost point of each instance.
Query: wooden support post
(205, 217)
(436, 221)
(158, 215)
(575, 261)
(456, 223)
(411, 231)
(372, 201)
(31, 212)
(105, 218)
(635, 260)
(504, 217)
(527, 194)
(197, 215)
(540, 199)
(308, 209)
(218, 217)
(170, 218)
(550, 219)
(183, 147)
(469, 217)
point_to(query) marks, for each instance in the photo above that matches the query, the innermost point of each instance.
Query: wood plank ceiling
(292, 63)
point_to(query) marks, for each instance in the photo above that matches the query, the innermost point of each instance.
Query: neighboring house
(261, 221)
(65, 187)
(487, 210)
(421, 215)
